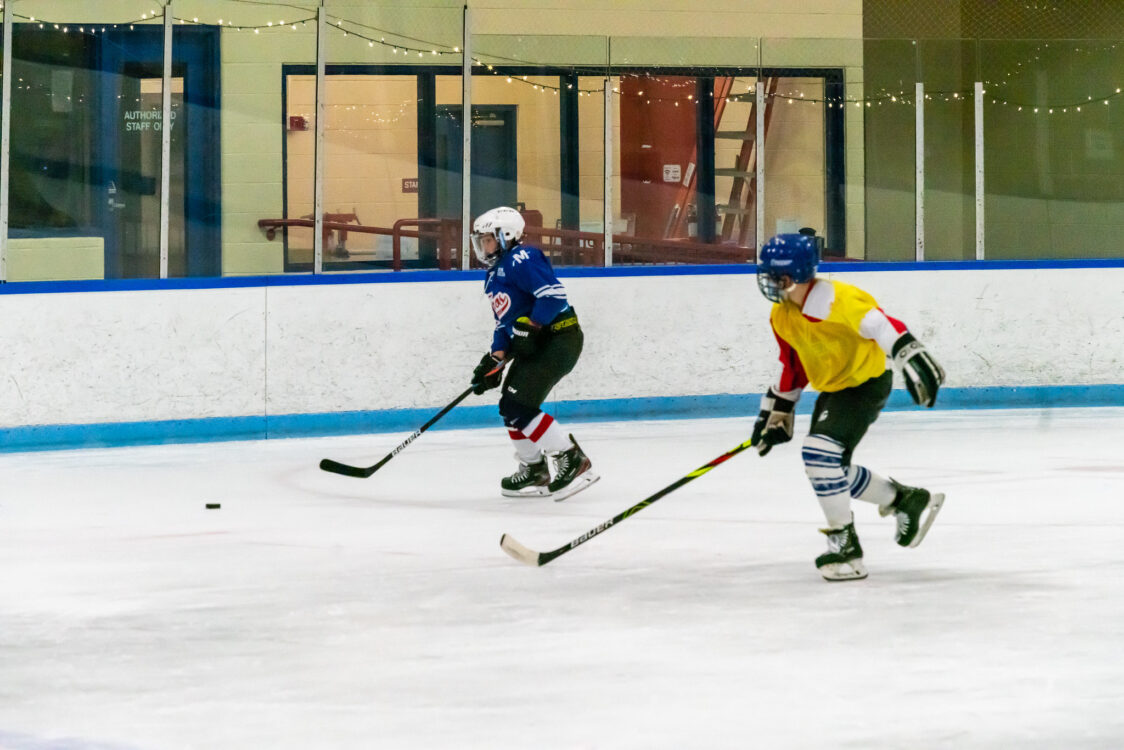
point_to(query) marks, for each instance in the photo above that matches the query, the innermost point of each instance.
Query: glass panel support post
(607, 127)
(166, 138)
(466, 132)
(320, 158)
(919, 170)
(979, 120)
(760, 141)
(5, 140)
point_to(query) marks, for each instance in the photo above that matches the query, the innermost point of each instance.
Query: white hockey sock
(545, 433)
(823, 462)
(525, 450)
(870, 486)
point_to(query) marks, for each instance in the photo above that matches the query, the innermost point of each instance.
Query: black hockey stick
(365, 471)
(530, 557)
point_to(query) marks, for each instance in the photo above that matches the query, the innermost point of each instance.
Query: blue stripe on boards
(424, 275)
(58, 436)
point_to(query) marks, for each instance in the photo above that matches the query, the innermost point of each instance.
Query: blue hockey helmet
(786, 255)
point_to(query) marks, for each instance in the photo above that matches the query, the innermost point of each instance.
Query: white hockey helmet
(505, 224)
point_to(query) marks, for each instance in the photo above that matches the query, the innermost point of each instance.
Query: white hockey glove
(774, 424)
(923, 376)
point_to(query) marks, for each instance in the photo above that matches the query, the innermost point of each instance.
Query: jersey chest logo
(501, 303)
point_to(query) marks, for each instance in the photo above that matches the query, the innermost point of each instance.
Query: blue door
(494, 168)
(128, 175)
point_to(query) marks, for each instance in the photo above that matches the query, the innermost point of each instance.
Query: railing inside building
(562, 246)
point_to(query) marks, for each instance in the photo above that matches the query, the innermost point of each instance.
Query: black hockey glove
(487, 374)
(922, 375)
(774, 423)
(526, 338)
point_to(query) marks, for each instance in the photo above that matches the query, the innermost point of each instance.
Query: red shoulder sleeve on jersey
(897, 324)
(792, 374)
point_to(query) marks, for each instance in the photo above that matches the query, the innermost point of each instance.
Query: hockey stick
(363, 472)
(528, 556)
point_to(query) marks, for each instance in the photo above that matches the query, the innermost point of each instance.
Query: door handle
(111, 190)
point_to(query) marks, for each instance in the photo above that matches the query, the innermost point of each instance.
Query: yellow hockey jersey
(839, 339)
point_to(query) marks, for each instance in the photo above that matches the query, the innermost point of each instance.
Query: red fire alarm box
(298, 122)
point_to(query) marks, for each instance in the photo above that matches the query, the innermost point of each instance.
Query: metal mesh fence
(994, 19)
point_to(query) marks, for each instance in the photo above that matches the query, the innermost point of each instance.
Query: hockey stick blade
(348, 471)
(523, 554)
(362, 472)
(528, 556)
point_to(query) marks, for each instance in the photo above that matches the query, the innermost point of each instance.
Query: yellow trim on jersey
(833, 353)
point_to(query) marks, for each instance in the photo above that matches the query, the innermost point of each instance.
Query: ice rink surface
(320, 611)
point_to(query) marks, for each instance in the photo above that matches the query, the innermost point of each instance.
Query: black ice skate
(571, 472)
(843, 560)
(529, 480)
(915, 509)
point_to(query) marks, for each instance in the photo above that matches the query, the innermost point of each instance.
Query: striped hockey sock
(541, 435)
(823, 463)
(870, 486)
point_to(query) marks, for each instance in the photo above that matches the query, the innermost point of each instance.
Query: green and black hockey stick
(362, 472)
(528, 556)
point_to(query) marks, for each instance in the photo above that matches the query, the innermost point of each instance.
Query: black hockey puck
(213, 506)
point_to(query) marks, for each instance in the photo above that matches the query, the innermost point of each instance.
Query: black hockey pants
(530, 379)
(845, 415)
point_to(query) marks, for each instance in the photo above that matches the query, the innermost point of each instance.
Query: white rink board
(82, 358)
(132, 355)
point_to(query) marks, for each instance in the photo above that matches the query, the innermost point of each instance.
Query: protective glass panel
(795, 158)
(948, 70)
(259, 43)
(84, 185)
(3, 217)
(538, 139)
(1053, 154)
(810, 131)
(590, 195)
(385, 174)
(686, 139)
(889, 148)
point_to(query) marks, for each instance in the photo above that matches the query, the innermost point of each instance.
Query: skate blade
(936, 502)
(582, 482)
(539, 491)
(848, 571)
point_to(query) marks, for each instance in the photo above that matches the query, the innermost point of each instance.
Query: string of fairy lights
(409, 48)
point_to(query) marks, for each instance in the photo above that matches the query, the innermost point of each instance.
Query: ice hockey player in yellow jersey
(834, 337)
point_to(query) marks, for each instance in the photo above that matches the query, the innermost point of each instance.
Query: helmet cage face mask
(505, 225)
(791, 256)
(481, 254)
(771, 286)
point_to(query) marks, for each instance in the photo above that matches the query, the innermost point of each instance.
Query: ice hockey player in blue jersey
(538, 329)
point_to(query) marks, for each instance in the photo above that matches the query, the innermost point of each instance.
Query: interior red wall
(654, 132)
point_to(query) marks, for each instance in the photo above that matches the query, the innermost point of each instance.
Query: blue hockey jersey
(522, 283)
